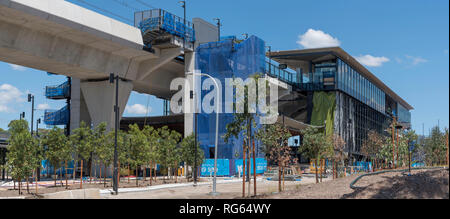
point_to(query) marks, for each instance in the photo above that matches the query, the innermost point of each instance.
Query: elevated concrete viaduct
(62, 38)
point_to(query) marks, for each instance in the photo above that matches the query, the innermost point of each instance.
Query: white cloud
(317, 39)
(43, 106)
(137, 109)
(8, 95)
(372, 61)
(17, 67)
(416, 60)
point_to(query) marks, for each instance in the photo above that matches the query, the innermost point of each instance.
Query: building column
(100, 100)
(78, 108)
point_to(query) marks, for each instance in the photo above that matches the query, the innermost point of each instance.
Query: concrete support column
(100, 99)
(78, 108)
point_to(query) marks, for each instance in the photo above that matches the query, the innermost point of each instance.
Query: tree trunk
(249, 168)
(128, 173)
(60, 176)
(243, 172)
(56, 178)
(36, 180)
(151, 169)
(321, 170)
(81, 175)
(20, 180)
(279, 178)
(254, 168)
(28, 186)
(137, 174)
(144, 173)
(65, 173)
(332, 164)
(317, 172)
(100, 172)
(75, 164)
(118, 175)
(176, 172)
(283, 176)
(104, 175)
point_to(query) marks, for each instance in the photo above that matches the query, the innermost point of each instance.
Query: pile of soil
(422, 184)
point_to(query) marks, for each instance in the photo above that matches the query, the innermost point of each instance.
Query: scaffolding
(62, 116)
(58, 92)
(158, 25)
(57, 117)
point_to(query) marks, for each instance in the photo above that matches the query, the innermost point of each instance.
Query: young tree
(82, 143)
(139, 148)
(23, 152)
(168, 154)
(153, 141)
(339, 153)
(435, 147)
(371, 146)
(187, 151)
(275, 145)
(243, 123)
(316, 146)
(58, 148)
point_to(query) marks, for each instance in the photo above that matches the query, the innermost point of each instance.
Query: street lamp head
(111, 78)
(183, 3)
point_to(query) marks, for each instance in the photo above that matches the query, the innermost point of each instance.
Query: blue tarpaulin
(261, 165)
(223, 167)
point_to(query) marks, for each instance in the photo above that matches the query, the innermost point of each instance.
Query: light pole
(31, 99)
(217, 101)
(218, 27)
(38, 170)
(184, 22)
(115, 79)
(270, 58)
(37, 126)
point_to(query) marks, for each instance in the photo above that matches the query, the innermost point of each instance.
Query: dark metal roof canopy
(321, 54)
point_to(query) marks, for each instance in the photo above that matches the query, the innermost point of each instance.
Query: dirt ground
(422, 184)
(47, 186)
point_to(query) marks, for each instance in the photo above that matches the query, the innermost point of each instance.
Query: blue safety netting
(58, 92)
(158, 19)
(221, 60)
(47, 168)
(60, 117)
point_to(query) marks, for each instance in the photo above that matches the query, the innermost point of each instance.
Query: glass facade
(404, 116)
(355, 85)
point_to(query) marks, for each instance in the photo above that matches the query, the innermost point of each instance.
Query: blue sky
(404, 42)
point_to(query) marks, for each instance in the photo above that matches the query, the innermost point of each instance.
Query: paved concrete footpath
(228, 189)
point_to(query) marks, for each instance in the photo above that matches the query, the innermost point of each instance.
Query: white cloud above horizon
(17, 67)
(137, 109)
(372, 61)
(43, 106)
(317, 39)
(416, 60)
(9, 95)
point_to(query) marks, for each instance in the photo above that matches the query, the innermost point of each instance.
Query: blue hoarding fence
(46, 166)
(223, 167)
(261, 165)
(227, 167)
